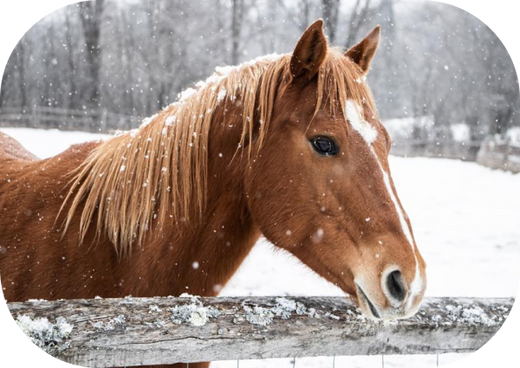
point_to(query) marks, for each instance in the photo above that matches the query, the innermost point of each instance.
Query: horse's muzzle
(396, 301)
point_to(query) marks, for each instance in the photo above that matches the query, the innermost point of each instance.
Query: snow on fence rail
(153, 331)
(48, 117)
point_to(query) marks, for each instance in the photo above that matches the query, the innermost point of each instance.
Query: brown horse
(286, 146)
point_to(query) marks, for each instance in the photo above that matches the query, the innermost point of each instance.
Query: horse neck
(201, 256)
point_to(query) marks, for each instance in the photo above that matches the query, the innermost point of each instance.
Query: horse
(285, 146)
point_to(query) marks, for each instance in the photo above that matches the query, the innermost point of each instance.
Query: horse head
(320, 185)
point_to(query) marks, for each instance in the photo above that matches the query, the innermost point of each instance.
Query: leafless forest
(437, 68)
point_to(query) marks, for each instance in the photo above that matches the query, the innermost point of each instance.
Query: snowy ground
(466, 220)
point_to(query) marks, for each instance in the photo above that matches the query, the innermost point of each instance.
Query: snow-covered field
(466, 219)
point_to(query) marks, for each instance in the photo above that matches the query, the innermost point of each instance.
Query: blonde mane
(155, 174)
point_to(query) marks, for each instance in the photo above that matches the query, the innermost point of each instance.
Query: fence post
(104, 118)
(33, 120)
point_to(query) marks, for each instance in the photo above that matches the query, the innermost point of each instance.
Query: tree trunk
(357, 17)
(73, 88)
(330, 15)
(237, 13)
(304, 11)
(91, 13)
(21, 70)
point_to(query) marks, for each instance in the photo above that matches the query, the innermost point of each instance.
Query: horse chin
(366, 306)
(373, 312)
(359, 297)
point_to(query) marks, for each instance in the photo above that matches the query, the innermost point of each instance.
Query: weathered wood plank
(136, 331)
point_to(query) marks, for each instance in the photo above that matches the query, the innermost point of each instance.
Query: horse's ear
(310, 52)
(363, 53)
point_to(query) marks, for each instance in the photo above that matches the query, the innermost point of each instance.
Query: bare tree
(434, 62)
(237, 15)
(330, 16)
(304, 12)
(357, 16)
(71, 60)
(91, 13)
(21, 65)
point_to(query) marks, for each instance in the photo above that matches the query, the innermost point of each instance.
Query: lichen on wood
(157, 331)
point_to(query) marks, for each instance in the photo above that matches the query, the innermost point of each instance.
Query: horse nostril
(395, 285)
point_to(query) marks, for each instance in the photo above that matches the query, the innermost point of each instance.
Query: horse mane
(156, 173)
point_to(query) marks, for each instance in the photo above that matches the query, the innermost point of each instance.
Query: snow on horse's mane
(178, 137)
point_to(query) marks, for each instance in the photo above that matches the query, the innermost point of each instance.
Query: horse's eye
(324, 146)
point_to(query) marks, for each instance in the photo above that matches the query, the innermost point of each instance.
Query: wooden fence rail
(137, 331)
(47, 117)
(499, 153)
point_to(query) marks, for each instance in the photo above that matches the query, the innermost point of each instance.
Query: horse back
(32, 251)
(12, 149)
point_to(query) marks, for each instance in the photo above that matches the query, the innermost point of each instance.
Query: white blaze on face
(358, 122)
(368, 132)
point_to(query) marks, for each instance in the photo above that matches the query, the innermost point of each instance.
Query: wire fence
(375, 361)
(383, 361)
